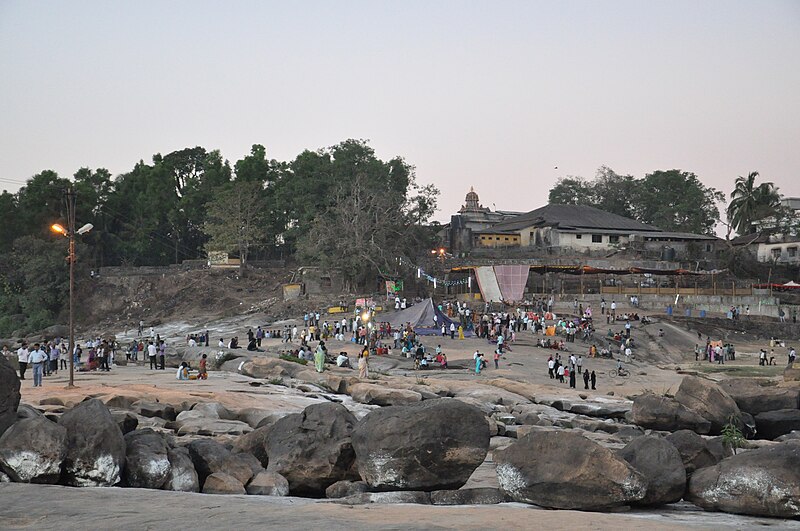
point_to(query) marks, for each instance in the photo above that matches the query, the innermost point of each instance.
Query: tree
(236, 219)
(614, 193)
(676, 200)
(751, 203)
(572, 191)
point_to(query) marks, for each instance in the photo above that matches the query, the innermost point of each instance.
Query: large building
(569, 229)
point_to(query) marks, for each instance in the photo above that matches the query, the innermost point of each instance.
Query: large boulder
(694, 450)
(344, 488)
(210, 457)
(379, 395)
(666, 414)
(154, 409)
(32, 450)
(254, 443)
(126, 420)
(147, 461)
(95, 446)
(753, 397)
(431, 445)
(662, 467)
(182, 476)
(773, 424)
(312, 449)
(762, 482)
(710, 401)
(565, 470)
(268, 484)
(9, 394)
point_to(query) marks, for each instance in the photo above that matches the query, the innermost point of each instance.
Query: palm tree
(751, 203)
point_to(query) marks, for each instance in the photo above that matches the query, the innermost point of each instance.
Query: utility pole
(69, 195)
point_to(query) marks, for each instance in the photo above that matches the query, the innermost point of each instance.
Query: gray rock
(710, 401)
(214, 410)
(154, 409)
(95, 446)
(26, 411)
(126, 420)
(182, 476)
(147, 462)
(268, 484)
(312, 449)
(415, 497)
(32, 450)
(661, 465)
(379, 395)
(754, 398)
(564, 470)
(476, 496)
(222, 483)
(763, 482)
(694, 450)
(773, 424)
(9, 394)
(666, 414)
(344, 488)
(432, 445)
(210, 457)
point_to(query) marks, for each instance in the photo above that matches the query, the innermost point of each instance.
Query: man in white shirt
(342, 360)
(37, 358)
(22, 357)
(151, 354)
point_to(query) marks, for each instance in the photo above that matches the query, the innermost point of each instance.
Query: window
(597, 238)
(497, 238)
(613, 239)
(792, 251)
(709, 247)
(776, 253)
(506, 238)
(578, 236)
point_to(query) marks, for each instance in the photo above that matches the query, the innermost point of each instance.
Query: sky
(503, 96)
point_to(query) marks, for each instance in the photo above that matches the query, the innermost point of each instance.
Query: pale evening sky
(486, 94)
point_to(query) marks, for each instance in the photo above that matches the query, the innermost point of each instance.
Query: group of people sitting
(185, 370)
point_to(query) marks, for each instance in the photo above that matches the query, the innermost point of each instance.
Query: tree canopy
(750, 203)
(672, 200)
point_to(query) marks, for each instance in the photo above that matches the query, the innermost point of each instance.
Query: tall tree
(676, 200)
(236, 219)
(572, 191)
(751, 203)
(614, 193)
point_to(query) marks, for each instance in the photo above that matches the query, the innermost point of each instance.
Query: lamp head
(55, 227)
(86, 228)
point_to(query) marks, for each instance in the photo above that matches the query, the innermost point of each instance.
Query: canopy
(420, 316)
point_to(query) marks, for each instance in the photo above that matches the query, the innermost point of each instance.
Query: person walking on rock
(363, 366)
(593, 378)
(319, 357)
(586, 379)
(572, 379)
(22, 357)
(37, 358)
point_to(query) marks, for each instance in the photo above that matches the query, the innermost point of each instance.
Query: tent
(420, 315)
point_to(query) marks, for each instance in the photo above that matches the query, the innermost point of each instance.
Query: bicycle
(622, 373)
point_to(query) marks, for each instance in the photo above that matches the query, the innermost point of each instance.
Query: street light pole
(70, 197)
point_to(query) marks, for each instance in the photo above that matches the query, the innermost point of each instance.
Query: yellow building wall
(498, 240)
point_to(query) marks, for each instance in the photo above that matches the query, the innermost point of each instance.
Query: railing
(637, 290)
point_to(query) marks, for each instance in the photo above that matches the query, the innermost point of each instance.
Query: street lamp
(70, 232)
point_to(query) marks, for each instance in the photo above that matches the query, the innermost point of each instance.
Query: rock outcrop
(694, 450)
(222, 483)
(268, 484)
(763, 482)
(773, 424)
(431, 445)
(564, 470)
(312, 449)
(710, 401)
(666, 414)
(754, 398)
(9, 394)
(182, 476)
(95, 446)
(32, 450)
(379, 395)
(661, 465)
(147, 463)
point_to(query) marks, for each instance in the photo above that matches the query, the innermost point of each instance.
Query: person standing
(572, 379)
(551, 365)
(162, 347)
(478, 363)
(22, 357)
(496, 359)
(593, 379)
(586, 379)
(579, 363)
(363, 366)
(151, 354)
(37, 358)
(259, 335)
(452, 330)
(613, 310)
(560, 373)
(319, 357)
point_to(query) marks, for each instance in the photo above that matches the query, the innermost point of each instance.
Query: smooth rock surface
(222, 483)
(710, 401)
(182, 475)
(660, 463)
(773, 424)
(564, 470)
(32, 450)
(146, 460)
(666, 414)
(432, 445)
(95, 446)
(268, 484)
